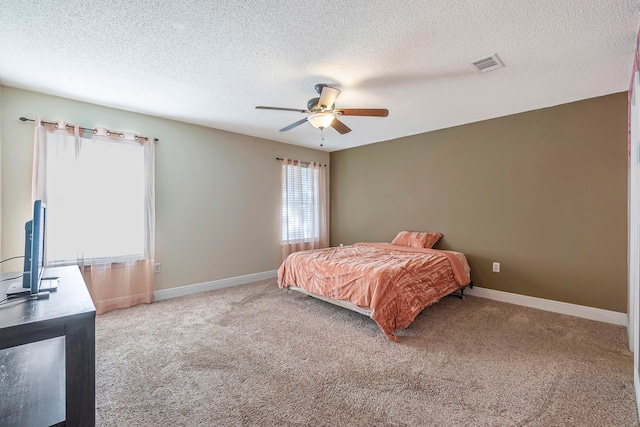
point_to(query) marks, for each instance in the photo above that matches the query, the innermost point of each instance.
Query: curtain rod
(24, 119)
(304, 163)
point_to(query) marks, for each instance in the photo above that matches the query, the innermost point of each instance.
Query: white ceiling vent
(487, 64)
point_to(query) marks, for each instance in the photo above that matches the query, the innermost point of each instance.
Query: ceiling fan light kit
(323, 114)
(321, 120)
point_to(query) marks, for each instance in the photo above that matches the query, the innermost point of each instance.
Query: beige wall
(217, 193)
(543, 192)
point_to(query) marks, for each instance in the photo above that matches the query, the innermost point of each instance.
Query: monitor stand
(17, 289)
(46, 284)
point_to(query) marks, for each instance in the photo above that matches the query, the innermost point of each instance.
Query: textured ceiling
(212, 62)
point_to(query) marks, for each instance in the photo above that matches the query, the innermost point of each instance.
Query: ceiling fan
(322, 111)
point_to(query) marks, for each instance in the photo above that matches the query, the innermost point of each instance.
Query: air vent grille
(490, 63)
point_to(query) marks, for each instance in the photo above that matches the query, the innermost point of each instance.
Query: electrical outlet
(341, 245)
(156, 268)
(496, 267)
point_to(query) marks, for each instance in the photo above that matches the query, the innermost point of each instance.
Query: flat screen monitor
(34, 231)
(37, 246)
(26, 271)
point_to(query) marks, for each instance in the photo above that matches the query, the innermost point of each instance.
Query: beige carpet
(255, 355)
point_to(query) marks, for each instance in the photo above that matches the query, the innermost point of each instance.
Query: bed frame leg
(460, 293)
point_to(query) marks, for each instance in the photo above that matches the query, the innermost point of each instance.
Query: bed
(389, 282)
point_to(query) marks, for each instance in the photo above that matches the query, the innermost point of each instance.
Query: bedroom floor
(255, 355)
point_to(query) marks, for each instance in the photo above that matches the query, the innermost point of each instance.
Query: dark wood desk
(47, 355)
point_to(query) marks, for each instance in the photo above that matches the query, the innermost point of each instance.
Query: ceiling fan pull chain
(322, 137)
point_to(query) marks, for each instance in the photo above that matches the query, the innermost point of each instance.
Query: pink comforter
(395, 282)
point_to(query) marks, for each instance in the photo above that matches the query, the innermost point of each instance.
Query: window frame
(306, 233)
(98, 258)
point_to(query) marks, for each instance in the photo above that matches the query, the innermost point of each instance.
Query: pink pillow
(416, 239)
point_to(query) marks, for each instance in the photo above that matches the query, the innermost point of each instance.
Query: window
(100, 196)
(95, 199)
(304, 206)
(300, 204)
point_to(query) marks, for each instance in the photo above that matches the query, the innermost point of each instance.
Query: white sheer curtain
(304, 206)
(100, 197)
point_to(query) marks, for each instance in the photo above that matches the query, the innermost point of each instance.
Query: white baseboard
(216, 284)
(636, 386)
(585, 312)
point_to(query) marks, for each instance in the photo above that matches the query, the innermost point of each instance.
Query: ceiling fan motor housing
(312, 104)
(319, 87)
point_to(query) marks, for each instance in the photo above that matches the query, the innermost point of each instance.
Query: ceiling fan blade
(261, 107)
(292, 125)
(328, 97)
(339, 126)
(373, 112)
